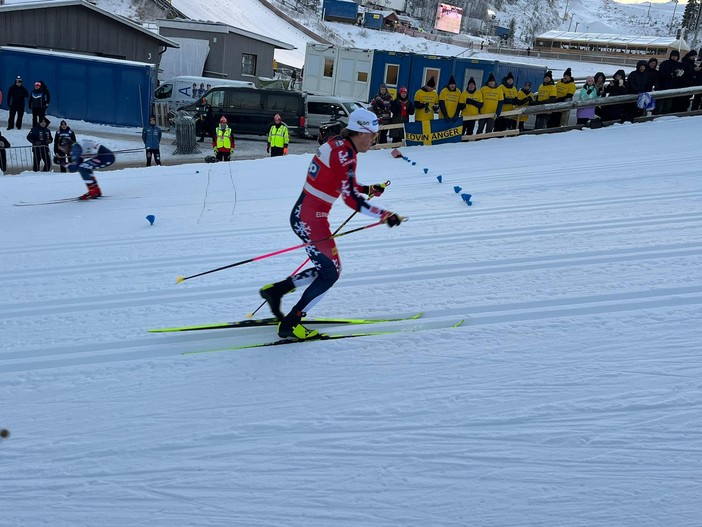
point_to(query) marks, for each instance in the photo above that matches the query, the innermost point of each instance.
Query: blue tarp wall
(93, 89)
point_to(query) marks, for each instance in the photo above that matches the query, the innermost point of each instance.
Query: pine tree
(690, 15)
(511, 32)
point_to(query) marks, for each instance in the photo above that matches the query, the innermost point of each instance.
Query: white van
(320, 109)
(184, 90)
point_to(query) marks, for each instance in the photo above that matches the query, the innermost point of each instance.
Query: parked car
(251, 110)
(324, 108)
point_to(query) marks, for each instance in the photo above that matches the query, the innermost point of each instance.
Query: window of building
(248, 64)
(328, 67)
(392, 73)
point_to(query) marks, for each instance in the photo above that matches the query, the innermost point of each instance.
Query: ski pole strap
(180, 279)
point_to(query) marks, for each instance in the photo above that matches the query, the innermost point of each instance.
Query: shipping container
(94, 89)
(340, 11)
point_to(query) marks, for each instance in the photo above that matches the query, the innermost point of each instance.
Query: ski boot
(93, 193)
(290, 328)
(273, 294)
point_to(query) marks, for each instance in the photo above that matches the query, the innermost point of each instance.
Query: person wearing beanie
(401, 109)
(16, 102)
(331, 174)
(509, 92)
(40, 137)
(450, 102)
(492, 105)
(426, 101)
(151, 135)
(62, 145)
(380, 106)
(565, 89)
(546, 94)
(472, 102)
(524, 97)
(587, 93)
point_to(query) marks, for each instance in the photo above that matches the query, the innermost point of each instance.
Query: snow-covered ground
(571, 396)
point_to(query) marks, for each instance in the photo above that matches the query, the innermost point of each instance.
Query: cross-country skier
(87, 155)
(332, 173)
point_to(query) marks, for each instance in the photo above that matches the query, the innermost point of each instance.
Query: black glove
(392, 219)
(376, 190)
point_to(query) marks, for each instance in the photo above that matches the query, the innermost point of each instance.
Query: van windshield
(351, 106)
(164, 91)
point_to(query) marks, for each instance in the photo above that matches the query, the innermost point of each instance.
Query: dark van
(251, 110)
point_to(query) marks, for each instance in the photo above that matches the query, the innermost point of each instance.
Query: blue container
(94, 89)
(340, 11)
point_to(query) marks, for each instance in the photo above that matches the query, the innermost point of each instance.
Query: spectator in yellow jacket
(450, 102)
(509, 92)
(524, 98)
(278, 137)
(546, 94)
(565, 89)
(492, 104)
(472, 101)
(426, 101)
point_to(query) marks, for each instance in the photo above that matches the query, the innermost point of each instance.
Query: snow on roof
(222, 28)
(602, 38)
(65, 3)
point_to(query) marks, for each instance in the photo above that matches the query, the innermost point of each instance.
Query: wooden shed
(78, 26)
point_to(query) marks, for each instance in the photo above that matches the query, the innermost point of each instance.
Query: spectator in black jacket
(697, 99)
(638, 81)
(681, 104)
(38, 102)
(402, 107)
(617, 86)
(670, 74)
(16, 96)
(40, 137)
(62, 145)
(4, 143)
(652, 72)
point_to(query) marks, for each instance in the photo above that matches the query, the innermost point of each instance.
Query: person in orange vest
(223, 142)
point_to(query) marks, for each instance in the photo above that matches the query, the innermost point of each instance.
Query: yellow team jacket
(546, 91)
(491, 98)
(278, 136)
(508, 93)
(426, 97)
(451, 100)
(521, 96)
(469, 108)
(565, 89)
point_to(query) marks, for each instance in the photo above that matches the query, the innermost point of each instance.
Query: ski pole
(180, 279)
(250, 315)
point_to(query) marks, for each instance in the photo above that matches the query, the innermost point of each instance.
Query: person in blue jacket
(151, 135)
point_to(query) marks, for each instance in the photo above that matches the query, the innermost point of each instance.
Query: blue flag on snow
(434, 132)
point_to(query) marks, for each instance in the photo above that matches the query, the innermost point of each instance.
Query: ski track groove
(514, 265)
(234, 232)
(466, 237)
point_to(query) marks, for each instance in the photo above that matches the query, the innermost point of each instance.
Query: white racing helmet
(363, 121)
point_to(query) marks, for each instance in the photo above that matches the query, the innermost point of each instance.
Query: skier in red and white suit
(332, 173)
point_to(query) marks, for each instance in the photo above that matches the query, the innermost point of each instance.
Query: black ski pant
(41, 154)
(15, 120)
(156, 153)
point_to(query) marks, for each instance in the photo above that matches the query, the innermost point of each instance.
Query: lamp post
(674, 9)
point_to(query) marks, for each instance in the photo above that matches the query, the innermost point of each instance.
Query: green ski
(409, 328)
(274, 322)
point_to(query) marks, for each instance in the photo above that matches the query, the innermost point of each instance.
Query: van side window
(283, 103)
(164, 91)
(216, 98)
(243, 100)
